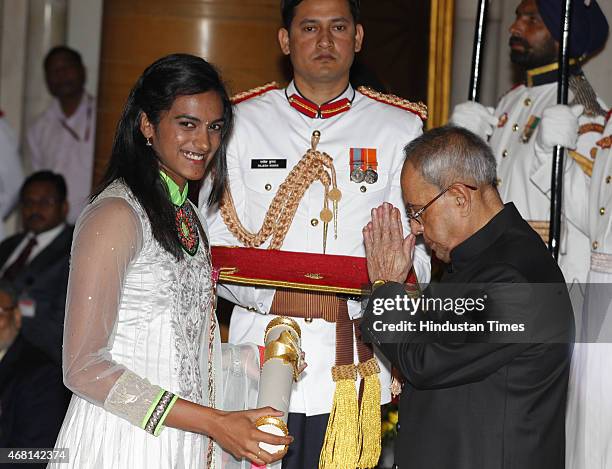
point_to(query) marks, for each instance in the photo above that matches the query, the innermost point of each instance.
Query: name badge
(269, 164)
(27, 306)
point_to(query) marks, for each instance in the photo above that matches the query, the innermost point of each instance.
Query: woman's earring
(149, 142)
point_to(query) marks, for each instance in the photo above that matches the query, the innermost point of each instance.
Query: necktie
(15, 268)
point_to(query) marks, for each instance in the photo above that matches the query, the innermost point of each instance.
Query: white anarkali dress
(138, 320)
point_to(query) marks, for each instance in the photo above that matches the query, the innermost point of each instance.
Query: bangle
(159, 426)
(158, 412)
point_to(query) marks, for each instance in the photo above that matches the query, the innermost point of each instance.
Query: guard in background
(527, 124)
(589, 412)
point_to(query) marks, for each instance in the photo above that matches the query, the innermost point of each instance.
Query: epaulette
(605, 142)
(419, 108)
(585, 95)
(238, 98)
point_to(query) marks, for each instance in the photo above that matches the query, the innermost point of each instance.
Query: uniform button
(515, 127)
(314, 222)
(308, 320)
(363, 188)
(498, 181)
(608, 179)
(505, 153)
(595, 244)
(602, 211)
(268, 187)
(527, 101)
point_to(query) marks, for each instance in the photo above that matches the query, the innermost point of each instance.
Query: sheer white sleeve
(107, 238)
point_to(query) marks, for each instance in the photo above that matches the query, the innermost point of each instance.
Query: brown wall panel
(395, 45)
(238, 36)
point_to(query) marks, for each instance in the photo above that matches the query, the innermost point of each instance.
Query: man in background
(62, 138)
(36, 260)
(33, 399)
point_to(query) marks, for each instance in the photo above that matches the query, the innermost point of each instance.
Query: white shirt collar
(81, 111)
(46, 237)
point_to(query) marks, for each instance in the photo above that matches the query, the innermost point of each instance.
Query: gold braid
(313, 166)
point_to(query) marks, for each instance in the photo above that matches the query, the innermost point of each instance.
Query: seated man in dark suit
(33, 399)
(486, 373)
(36, 260)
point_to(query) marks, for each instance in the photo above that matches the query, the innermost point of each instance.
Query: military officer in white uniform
(364, 132)
(11, 174)
(527, 124)
(589, 414)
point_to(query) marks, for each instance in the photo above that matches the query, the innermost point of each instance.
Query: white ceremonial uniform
(66, 146)
(268, 128)
(11, 173)
(589, 414)
(524, 170)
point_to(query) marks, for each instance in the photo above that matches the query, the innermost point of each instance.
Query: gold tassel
(340, 449)
(369, 415)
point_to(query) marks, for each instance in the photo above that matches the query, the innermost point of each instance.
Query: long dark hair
(137, 164)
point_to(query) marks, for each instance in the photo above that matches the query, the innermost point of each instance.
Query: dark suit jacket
(480, 401)
(33, 399)
(44, 279)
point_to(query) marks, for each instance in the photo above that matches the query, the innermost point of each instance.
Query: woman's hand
(237, 434)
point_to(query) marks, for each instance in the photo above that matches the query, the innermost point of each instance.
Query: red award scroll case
(293, 270)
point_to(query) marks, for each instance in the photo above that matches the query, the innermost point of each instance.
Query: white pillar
(85, 35)
(46, 29)
(12, 60)
(465, 20)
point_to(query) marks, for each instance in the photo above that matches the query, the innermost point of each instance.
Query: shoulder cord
(314, 165)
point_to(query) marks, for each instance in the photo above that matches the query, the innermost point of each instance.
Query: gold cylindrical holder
(282, 360)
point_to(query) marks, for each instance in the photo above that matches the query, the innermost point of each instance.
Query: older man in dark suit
(485, 386)
(33, 399)
(36, 260)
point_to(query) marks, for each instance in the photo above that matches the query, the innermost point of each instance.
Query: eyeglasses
(6, 310)
(416, 215)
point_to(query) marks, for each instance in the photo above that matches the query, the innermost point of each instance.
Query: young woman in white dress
(141, 343)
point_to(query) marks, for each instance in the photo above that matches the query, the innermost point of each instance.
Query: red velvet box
(293, 270)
